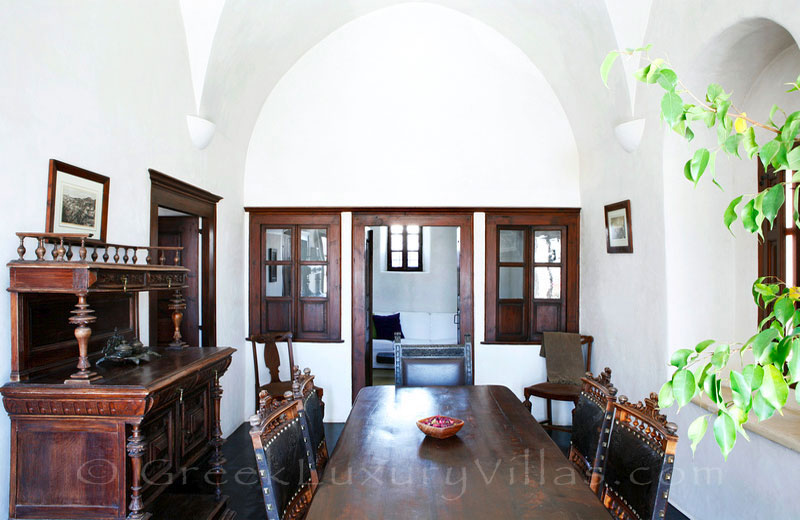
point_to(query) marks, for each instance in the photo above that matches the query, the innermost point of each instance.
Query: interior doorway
(184, 215)
(366, 252)
(411, 287)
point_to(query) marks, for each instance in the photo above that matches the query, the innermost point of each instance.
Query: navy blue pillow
(386, 326)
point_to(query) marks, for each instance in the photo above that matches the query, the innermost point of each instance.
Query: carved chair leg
(136, 447)
(527, 401)
(217, 460)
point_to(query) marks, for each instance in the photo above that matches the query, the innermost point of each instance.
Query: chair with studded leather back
(284, 457)
(634, 478)
(311, 398)
(591, 422)
(272, 361)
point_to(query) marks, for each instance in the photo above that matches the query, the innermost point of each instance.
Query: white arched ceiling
(200, 21)
(257, 42)
(414, 104)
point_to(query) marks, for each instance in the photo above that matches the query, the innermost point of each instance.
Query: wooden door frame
(456, 217)
(171, 193)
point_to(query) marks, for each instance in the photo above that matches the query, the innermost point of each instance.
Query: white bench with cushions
(419, 328)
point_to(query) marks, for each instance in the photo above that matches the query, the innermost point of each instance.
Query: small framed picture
(77, 201)
(618, 227)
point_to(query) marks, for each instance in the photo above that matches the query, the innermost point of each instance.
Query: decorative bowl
(440, 426)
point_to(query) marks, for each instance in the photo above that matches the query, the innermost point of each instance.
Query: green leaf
(700, 374)
(772, 112)
(774, 388)
(731, 144)
(794, 361)
(749, 142)
(687, 170)
(781, 352)
(741, 390)
(725, 433)
(703, 345)
(683, 387)
(762, 342)
(641, 74)
(748, 215)
(768, 151)
(699, 163)
(721, 356)
(790, 128)
(697, 430)
(680, 357)
(754, 375)
(671, 107)
(713, 92)
(763, 409)
(784, 310)
(730, 213)
(608, 62)
(665, 397)
(667, 79)
(793, 159)
(712, 387)
(739, 417)
(655, 71)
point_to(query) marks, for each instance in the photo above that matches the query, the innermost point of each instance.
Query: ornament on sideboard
(118, 350)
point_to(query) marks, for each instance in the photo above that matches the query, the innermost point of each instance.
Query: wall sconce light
(200, 130)
(629, 134)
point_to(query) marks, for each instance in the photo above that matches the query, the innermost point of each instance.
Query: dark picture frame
(75, 196)
(619, 237)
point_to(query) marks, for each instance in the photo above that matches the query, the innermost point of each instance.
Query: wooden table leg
(217, 460)
(136, 448)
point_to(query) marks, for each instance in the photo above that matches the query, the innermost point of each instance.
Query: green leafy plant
(739, 390)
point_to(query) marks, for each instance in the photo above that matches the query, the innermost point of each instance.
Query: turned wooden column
(177, 305)
(217, 460)
(82, 316)
(136, 447)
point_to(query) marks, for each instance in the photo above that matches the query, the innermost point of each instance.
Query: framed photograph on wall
(77, 201)
(618, 227)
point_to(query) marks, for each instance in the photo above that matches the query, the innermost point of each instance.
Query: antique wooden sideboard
(109, 441)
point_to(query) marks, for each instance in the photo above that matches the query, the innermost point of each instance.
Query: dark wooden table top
(501, 465)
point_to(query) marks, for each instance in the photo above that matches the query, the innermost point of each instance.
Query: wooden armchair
(552, 391)
(591, 422)
(282, 446)
(303, 389)
(429, 365)
(634, 478)
(272, 360)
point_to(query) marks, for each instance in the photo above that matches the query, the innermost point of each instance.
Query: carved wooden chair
(432, 365)
(303, 389)
(272, 360)
(284, 459)
(634, 478)
(591, 422)
(555, 391)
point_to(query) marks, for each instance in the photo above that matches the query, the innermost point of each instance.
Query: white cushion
(443, 328)
(416, 324)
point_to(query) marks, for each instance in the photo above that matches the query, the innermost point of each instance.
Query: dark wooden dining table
(501, 465)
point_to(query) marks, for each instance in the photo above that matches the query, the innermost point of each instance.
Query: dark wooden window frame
(278, 219)
(772, 248)
(404, 251)
(565, 219)
(171, 193)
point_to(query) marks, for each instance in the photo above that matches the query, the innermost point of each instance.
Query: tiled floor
(242, 483)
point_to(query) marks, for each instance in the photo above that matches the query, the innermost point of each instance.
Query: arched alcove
(417, 105)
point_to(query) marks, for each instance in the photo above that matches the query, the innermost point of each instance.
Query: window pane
(510, 284)
(397, 260)
(547, 283)
(412, 229)
(547, 247)
(413, 243)
(314, 244)
(512, 245)
(314, 281)
(397, 229)
(397, 243)
(413, 260)
(278, 280)
(279, 244)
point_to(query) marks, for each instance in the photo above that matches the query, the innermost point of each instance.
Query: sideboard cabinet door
(195, 410)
